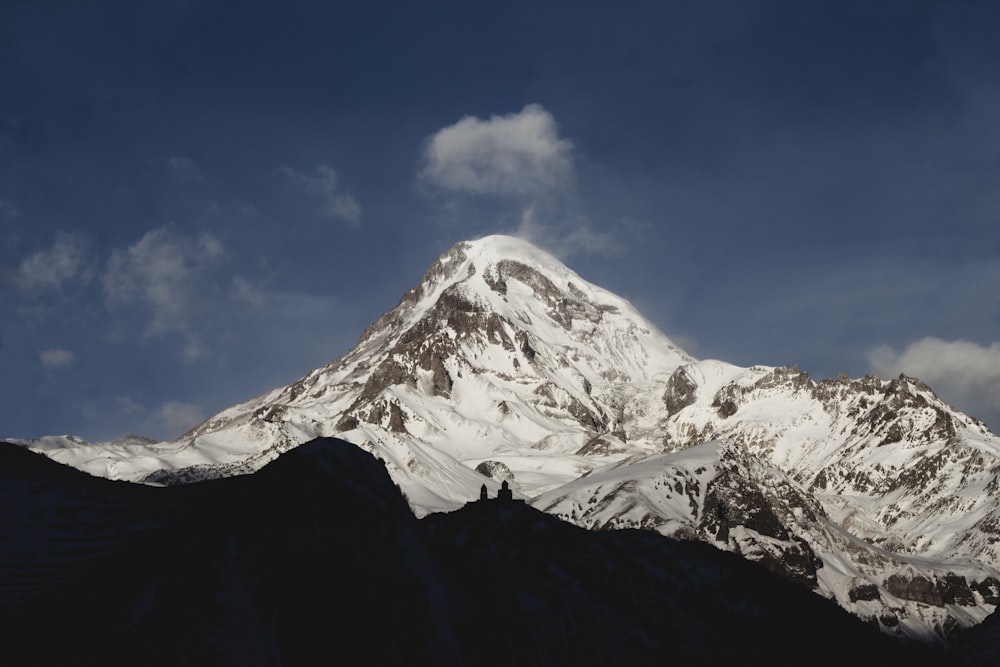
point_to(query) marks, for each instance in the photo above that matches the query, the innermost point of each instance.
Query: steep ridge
(504, 365)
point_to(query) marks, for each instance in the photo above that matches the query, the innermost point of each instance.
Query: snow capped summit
(502, 364)
(500, 353)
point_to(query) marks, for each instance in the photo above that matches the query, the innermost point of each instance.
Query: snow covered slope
(872, 492)
(505, 361)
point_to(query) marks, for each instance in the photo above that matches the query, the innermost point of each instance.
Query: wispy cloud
(8, 211)
(56, 358)
(167, 272)
(52, 268)
(568, 238)
(518, 154)
(961, 372)
(335, 203)
(184, 169)
(166, 421)
(173, 418)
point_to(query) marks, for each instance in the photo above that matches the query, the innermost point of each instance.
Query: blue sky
(200, 201)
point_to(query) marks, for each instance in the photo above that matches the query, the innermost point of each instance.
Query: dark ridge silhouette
(317, 559)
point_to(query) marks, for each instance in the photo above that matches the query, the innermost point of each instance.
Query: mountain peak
(504, 365)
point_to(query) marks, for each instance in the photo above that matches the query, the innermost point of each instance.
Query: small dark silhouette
(504, 494)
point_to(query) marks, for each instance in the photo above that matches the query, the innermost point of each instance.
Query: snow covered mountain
(503, 364)
(500, 353)
(872, 492)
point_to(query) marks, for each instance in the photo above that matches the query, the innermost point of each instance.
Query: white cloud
(335, 203)
(519, 154)
(56, 358)
(50, 269)
(167, 272)
(963, 373)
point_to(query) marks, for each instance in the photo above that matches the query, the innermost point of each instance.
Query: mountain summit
(503, 365)
(500, 357)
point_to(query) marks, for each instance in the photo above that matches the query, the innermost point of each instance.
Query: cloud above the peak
(961, 372)
(567, 239)
(518, 154)
(324, 185)
(515, 174)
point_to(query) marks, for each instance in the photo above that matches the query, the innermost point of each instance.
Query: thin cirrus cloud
(184, 169)
(169, 273)
(518, 154)
(52, 268)
(56, 358)
(168, 420)
(8, 211)
(961, 372)
(324, 185)
(173, 418)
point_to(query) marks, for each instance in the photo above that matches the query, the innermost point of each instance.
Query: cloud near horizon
(961, 372)
(167, 421)
(518, 154)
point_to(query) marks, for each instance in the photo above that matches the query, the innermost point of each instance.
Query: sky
(203, 200)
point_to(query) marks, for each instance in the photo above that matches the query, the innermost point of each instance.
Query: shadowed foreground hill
(317, 559)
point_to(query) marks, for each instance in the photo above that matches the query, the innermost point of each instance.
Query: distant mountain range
(504, 365)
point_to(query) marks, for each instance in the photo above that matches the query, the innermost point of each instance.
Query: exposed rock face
(849, 486)
(680, 392)
(495, 470)
(950, 589)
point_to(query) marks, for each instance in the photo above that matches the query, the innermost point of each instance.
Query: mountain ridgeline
(503, 365)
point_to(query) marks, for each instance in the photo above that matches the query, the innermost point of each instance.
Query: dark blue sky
(200, 201)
